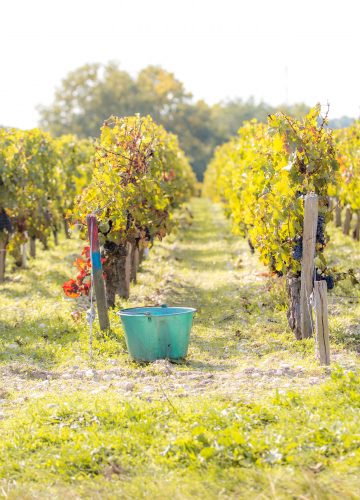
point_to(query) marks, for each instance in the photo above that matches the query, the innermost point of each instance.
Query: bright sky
(219, 48)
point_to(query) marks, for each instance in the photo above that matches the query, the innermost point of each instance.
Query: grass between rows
(301, 442)
(189, 446)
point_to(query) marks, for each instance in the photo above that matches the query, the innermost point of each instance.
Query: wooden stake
(3, 243)
(97, 273)
(322, 324)
(33, 247)
(307, 263)
(347, 221)
(23, 251)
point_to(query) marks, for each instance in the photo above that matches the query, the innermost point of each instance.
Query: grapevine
(348, 179)
(262, 176)
(140, 177)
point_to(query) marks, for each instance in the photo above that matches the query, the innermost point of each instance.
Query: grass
(249, 413)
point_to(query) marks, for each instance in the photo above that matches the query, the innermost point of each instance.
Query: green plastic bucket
(157, 332)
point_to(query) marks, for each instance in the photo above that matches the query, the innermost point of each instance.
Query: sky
(274, 50)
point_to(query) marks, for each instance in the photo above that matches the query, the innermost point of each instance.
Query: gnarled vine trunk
(3, 243)
(337, 216)
(32, 247)
(293, 285)
(251, 246)
(125, 270)
(44, 240)
(117, 268)
(20, 253)
(67, 229)
(134, 261)
(141, 255)
(348, 217)
(356, 232)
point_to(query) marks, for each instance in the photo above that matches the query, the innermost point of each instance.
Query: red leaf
(80, 263)
(71, 289)
(86, 252)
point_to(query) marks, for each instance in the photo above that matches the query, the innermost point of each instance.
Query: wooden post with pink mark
(97, 273)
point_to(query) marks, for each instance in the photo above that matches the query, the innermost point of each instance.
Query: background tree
(159, 94)
(86, 97)
(91, 93)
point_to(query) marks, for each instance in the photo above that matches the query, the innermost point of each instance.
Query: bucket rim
(183, 310)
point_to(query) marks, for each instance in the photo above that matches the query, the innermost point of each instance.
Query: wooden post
(97, 274)
(3, 243)
(134, 262)
(347, 221)
(33, 247)
(23, 252)
(307, 263)
(322, 324)
(337, 215)
(56, 237)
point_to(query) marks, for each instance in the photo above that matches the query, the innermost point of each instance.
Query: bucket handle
(148, 315)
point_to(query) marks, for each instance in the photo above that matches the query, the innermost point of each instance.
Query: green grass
(249, 413)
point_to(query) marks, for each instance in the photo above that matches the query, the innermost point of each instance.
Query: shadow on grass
(196, 364)
(36, 342)
(32, 284)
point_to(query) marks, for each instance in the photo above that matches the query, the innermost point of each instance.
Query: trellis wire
(91, 313)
